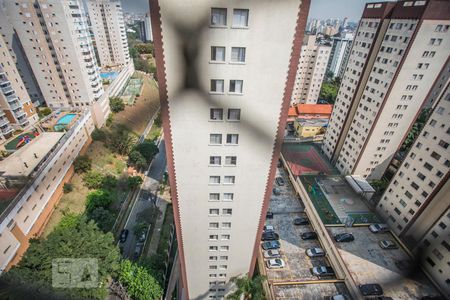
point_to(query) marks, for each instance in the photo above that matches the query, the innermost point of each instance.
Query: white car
(272, 254)
(378, 228)
(269, 228)
(276, 263)
(315, 252)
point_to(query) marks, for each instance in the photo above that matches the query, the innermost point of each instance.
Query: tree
(116, 104)
(379, 185)
(155, 265)
(81, 239)
(140, 285)
(82, 164)
(93, 180)
(103, 218)
(134, 181)
(98, 198)
(158, 120)
(121, 140)
(44, 111)
(67, 188)
(329, 91)
(137, 159)
(144, 48)
(99, 135)
(109, 182)
(248, 288)
(148, 150)
(140, 228)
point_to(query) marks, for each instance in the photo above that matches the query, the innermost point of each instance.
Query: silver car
(378, 228)
(388, 244)
(315, 252)
(272, 254)
(276, 263)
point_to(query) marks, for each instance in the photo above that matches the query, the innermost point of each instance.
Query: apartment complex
(311, 71)
(31, 184)
(56, 42)
(221, 176)
(109, 32)
(416, 202)
(16, 108)
(398, 52)
(340, 52)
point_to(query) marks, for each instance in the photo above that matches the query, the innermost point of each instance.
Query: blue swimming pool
(109, 75)
(66, 119)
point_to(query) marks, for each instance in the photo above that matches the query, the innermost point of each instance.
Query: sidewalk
(154, 242)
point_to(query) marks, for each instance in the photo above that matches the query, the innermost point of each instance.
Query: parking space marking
(302, 282)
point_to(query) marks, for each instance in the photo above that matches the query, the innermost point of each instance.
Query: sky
(320, 9)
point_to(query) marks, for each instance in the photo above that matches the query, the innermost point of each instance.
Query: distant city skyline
(320, 9)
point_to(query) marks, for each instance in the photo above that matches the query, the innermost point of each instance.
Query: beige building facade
(311, 71)
(398, 52)
(109, 32)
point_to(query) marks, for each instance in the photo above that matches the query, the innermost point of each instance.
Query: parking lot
(286, 207)
(392, 269)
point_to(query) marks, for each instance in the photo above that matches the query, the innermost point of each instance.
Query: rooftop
(23, 161)
(313, 122)
(300, 109)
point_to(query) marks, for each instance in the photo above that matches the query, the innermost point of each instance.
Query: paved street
(144, 200)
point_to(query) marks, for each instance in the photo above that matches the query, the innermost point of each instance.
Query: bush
(82, 164)
(44, 111)
(93, 180)
(134, 181)
(96, 199)
(148, 150)
(103, 218)
(110, 120)
(116, 104)
(158, 120)
(140, 285)
(137, 159)
(67, 188)
(109, 182)
(99, 135)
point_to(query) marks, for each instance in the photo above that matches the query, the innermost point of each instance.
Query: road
(143, 201)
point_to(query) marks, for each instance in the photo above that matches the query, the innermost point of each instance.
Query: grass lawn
(104, 161)
(72, 202)
(136, 116)
(164, 238)
(154, 133)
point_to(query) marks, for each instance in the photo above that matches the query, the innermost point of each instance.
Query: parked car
(322, 271)
(123, 235)
(268, 228)
(378, 228)
(315, 252)
(301, 221)
(280, 181)
(272, 254)
(309, 235)
(388, 244)
(269, 215)
(276, 191)
(344, 237)
(338, 297)
(270, 236)
(276, 263)
(270, 245)
(141, 238)
(371, 289)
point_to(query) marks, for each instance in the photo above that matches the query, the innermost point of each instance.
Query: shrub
(148, 150)
(116, 104)
(99, 135)
(110, 120)
(103, 218)
(134, 181)
(44, 111)
(96, 199)
(140, 285)
(109, 182)
(67, 188)
(137, 159)
(82, 164)
(93, 180)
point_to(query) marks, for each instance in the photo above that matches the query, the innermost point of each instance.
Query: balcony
(3, 121)
(20, 114)
(11, 98)
(6, 129)
(15, 105)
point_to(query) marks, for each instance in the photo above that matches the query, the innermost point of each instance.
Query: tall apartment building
(398, 52)
(311, 71)
(109, 32)
(17, 109)
(55, 39)
(220, 183)
(340, 52)
(416, 203)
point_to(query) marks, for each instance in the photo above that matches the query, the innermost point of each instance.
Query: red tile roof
(314, 108)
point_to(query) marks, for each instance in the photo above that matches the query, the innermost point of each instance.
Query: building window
(213, 211)
(225, 237)
(240, 17)
(229, 179)
(213, 225)
(238, 54)
(236, 86)
(215, 160)
(214, 196)
(232, 139)
(435, 155)
(234, 114)
(216, 114)
(217, 54)
(228, 196)
(218, 16)
(230, 160)
(430, 261)
(215, 139)
(213, 248)
(217, 85)
(442, 225)
(428, 166)
(443, 144)
(226, 225)
(227, 211)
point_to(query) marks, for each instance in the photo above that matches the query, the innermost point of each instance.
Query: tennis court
(132, 89)
(305, 158)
